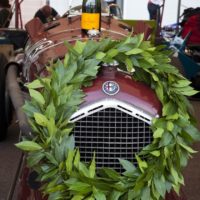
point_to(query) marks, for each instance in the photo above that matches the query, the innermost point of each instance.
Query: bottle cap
(93, 32)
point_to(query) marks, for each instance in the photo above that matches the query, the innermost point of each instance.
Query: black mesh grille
(112, 134)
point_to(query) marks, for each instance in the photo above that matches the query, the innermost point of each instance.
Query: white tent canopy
(132, 9)
(138, 9)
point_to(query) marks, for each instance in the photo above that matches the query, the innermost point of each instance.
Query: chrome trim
(112, 103)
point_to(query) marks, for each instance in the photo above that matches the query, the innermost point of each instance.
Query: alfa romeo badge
(110, 87)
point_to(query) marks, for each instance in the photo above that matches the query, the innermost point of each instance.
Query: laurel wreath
(52, 152)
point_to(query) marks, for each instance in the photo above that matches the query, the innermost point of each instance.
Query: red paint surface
(132, 92)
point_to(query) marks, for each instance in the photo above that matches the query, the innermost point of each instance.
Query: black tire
(3, 123)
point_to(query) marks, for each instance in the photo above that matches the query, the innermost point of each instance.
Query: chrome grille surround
(112, 129)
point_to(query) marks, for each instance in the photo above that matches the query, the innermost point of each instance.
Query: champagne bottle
(91, 15)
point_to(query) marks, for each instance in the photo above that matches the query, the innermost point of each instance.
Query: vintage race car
(117, 109)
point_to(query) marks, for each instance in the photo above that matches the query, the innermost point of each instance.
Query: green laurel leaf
(28, 146)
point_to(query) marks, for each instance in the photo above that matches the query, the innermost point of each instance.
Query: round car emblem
(110, 88)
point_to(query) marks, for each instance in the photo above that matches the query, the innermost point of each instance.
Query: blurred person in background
(110, 1)
(112, 9)
(47, 14)
(5, 13)
(154, 9)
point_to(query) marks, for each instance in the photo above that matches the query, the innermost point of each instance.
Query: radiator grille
(112, 134)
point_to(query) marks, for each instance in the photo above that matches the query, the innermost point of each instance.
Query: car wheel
(3, 123)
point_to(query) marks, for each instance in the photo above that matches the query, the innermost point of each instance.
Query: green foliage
(54, 99)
